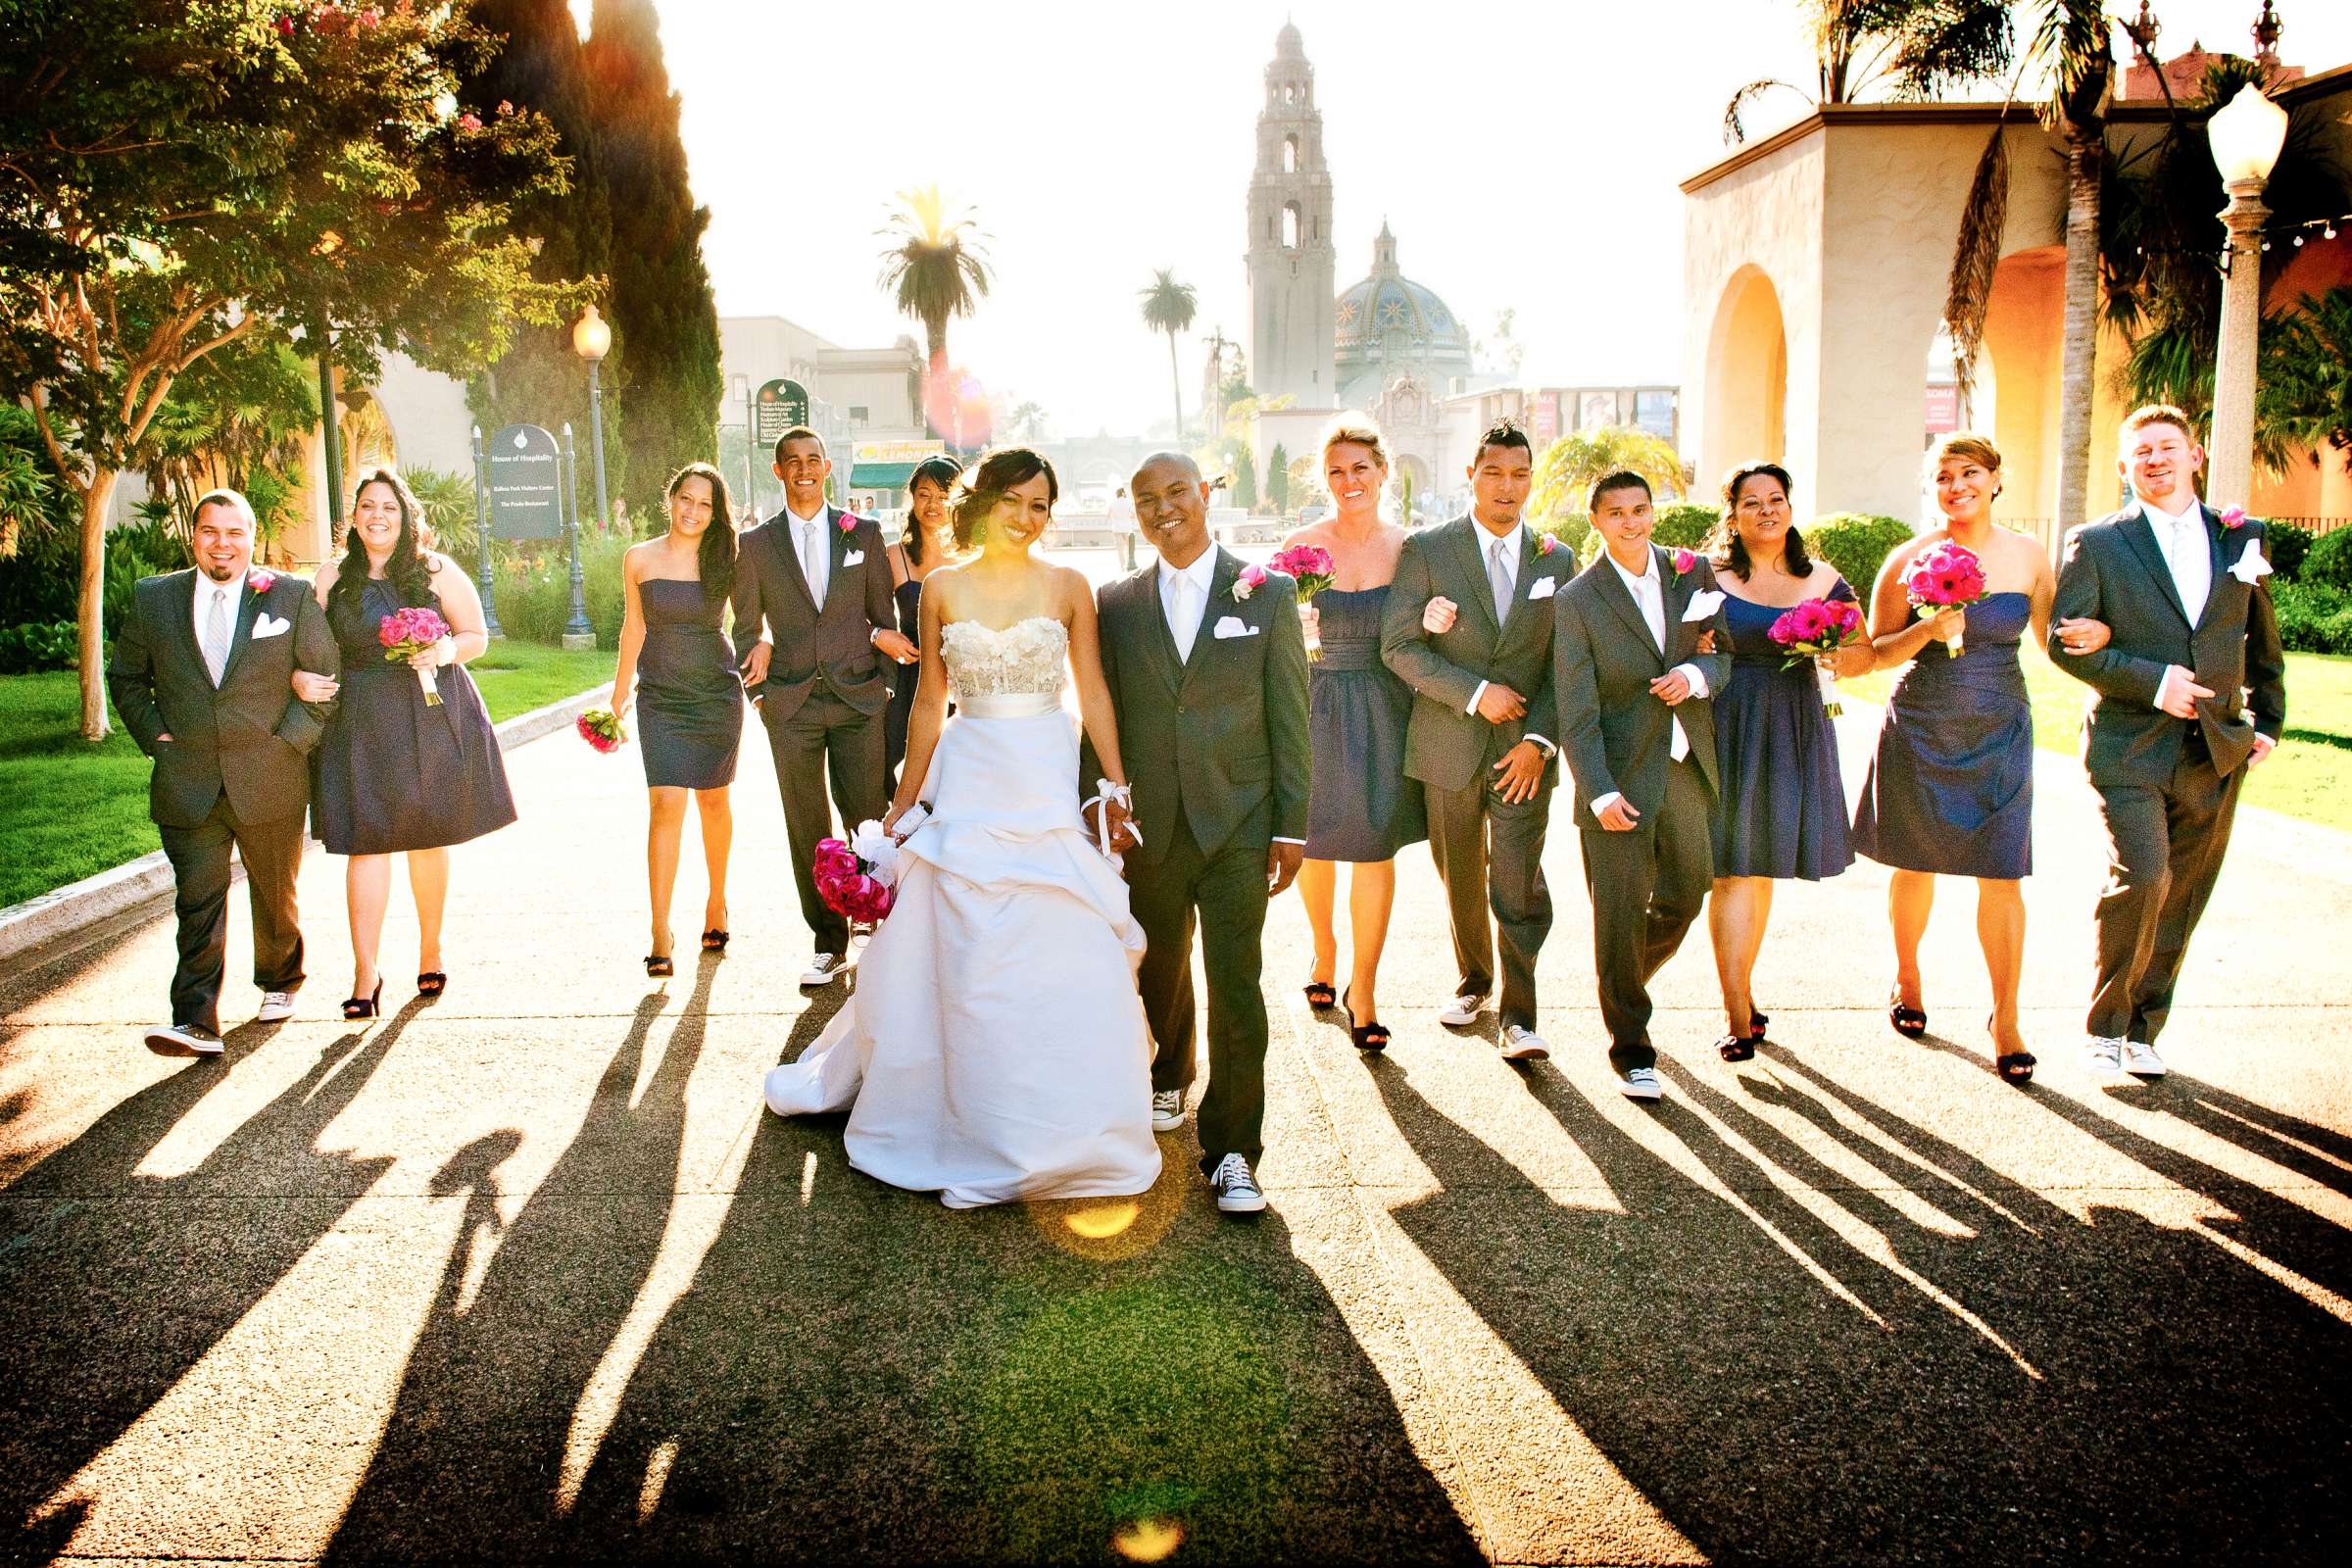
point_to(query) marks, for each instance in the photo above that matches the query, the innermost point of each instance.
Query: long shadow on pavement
(2012, 1384)
(114, 1285)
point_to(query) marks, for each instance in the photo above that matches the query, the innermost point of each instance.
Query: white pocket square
(1704, 605)
(1235, 626)
(1544, 588)
(852, 558)
(267, 625)
(2251, 568)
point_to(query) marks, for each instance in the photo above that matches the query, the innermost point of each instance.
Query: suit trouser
(1224, 896)
(2164, 849)
(199, 856)
(1489, 855)
(826, 738)
(1647, 885)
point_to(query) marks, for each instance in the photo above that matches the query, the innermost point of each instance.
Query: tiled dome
(1390, 320)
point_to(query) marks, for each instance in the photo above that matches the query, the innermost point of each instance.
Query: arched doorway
(1748, 375)
(2024, 326)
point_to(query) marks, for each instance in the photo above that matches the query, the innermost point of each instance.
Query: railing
(2315, 526)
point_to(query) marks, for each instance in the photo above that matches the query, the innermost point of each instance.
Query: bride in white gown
(994, 1049)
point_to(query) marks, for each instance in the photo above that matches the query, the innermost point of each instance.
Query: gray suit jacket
(1446, 745)
(832, 649)
(1618, 737)
(1221, 737)
(249, 737)
(2115, 571)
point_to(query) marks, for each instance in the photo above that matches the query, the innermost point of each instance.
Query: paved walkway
(528, 1274)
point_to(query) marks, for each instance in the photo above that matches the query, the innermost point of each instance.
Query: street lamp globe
(591, 335)
(2246, 135)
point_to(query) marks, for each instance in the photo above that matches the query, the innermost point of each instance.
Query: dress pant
(2164, 849)
(1224, 897)
(827, 739)
(199, 856)
(1646, 885)
(1489, 855)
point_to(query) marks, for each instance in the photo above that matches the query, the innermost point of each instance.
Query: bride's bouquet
(858, 879)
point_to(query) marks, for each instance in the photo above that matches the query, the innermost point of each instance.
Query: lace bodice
(1028, 659)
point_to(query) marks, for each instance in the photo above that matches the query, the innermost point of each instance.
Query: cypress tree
(538, 64)
(661, 300)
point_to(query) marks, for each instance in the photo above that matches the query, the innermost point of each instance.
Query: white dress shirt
(813, 550)
(1184, 606)
(1649, 597)
(201, 612)
(1514, 544)
(2187, 548)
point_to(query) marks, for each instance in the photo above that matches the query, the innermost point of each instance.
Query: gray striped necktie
(1498, 577)
(216, 632)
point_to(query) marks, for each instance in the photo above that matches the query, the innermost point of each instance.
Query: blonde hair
(1355, 429)
(2148, 414)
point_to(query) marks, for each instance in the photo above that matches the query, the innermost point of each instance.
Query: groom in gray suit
(2191, 692)
(1207, 678)
(1638, 727)
(812, 613)
(1468, 627)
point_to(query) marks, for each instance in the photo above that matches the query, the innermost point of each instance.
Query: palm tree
(1898, 49)
(1565, 472)
(1026, 422)
(937, 266)
(1168, 308)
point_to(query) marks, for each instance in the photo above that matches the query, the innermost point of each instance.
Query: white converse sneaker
(824, 969)
(1642, 1083)
(2103, 1055)
(1462, 1011)
(1237, 1190)
(276, 1006)
(1523, 1044)
(1167, 1109)
(2141, 1061)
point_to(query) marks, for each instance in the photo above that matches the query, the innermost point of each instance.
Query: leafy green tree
(1169, 307)
(1278, 478)
(662, 301)
(237, 417)
(2305, 393)
(1244, 479)
(1900, 49)
(188, 174)
(936, 268)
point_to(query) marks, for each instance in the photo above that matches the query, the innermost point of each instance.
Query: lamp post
(751, 438)
(578, 632)
(592, 340)
(481, 534)
(2246, 135)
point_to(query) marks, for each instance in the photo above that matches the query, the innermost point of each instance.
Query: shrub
(147, 548)
(1858, 544)
(41, 644)
(448, 503)
(2313, 618)
(2289, 545)
(1573, 529)
(2329, 561)
(1684, 525)
(534, 587)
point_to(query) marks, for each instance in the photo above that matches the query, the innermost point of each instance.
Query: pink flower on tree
(469, 121)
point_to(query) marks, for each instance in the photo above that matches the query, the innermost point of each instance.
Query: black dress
(1359, 804)
(393, 773)
(689, 696)
(904, 678)
(1784, 803)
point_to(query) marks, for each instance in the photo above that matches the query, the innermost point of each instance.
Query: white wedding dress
(994, 1049)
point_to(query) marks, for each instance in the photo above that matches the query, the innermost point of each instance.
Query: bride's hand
(1121, 821)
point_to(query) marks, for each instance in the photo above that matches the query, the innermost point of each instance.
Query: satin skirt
(994, 1049)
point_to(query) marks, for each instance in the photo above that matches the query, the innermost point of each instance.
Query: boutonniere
(1252, 579)
(848, 523)
(2234, 517)
(259, 580)
(1686, 561)
(1545, 544)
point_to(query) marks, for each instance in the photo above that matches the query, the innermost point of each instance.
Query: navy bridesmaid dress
(1951, 790)
(1784, 801)
(1359, 804)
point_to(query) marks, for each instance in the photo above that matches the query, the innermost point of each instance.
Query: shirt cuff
(2164, 685)
(1279, 839)
(1542, 745)
(1473, 697)
(1695, 676)
(1601, 807)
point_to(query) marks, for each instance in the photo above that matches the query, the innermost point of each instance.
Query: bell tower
(1291, 259)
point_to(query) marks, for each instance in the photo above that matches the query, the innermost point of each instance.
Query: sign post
(481, 533)
(781, 405)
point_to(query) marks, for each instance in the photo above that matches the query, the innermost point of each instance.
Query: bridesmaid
(1951, 789)
(922, 549)
(396, 775)
(676, 657)
(1360, 808)
(1782, 813)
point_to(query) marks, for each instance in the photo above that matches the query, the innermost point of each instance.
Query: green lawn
(2309, 776)
(70, 809)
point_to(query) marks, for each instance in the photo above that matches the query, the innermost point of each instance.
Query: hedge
(1858, 544)
(2329, 561)
(2313, 617)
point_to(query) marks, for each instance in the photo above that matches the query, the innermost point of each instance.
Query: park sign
(781, 405)
(525, 484)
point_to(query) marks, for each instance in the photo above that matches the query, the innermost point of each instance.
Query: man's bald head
(1176, 459)
(1171, 506)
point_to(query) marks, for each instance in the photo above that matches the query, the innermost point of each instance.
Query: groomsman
(1208, 680)
(2191, 692)
(812, 610)
(202, 674)
(1480, 735)
(1639, 730)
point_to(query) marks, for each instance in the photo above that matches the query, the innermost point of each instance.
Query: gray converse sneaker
(823, 970)
(1642, 1083)
(1167, 1109)
(1237, 1190)
(2141, 1061)
(189, 1040)
(1523, 1044)
(276, 1006)
(2103, 1055)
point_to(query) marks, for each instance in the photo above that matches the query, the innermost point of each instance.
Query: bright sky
(1529, 164)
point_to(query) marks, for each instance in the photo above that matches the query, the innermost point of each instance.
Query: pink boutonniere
(1685, 561)
(1252, 579)
(2233, 518)
(848, 523)
(1545, 544)
(260, 580)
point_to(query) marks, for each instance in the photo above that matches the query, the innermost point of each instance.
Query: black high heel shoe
(1373, 1036)
(369, 1007)
(1909, 1022)
(2016, 1067)
(658, 965)
(1320, 996)
(432, 983)
(714, 940)
(1757, 1023)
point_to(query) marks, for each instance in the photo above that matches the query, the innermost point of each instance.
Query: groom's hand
(1519, 771)
(1282, 866)
(755, 664)
(1121, 824)
(896, 646)
(1499, 704)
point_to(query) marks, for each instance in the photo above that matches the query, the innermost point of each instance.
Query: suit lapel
(184, 605)
(249, 604)
(1471, 547)
(1621, 599)
(2214, 552)
(781, 529)
(1142, 601)
(2143, 536)
(1221, 578)
(1523, 581)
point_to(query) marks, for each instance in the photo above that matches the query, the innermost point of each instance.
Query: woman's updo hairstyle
(1973, 448)
(1725, 546)
(988, 482)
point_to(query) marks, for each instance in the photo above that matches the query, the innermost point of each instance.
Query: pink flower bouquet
(1311, 567)
(601, 728)
(1812, 627)
(1947, 574)
(853, 886)
(406, 633)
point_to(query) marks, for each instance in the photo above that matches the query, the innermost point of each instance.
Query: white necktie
(1498, 577)
(1183, 621)
(1653, 616)
(812, 561)
(216, 634)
